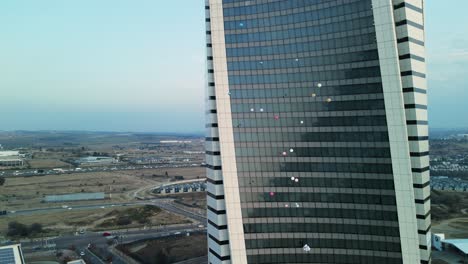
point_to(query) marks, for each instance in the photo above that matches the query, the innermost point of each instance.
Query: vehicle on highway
(106, 234)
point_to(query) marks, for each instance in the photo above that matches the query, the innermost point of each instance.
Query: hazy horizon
(127, 66)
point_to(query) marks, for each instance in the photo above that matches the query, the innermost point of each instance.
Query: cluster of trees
(16, 229)
(449, 203)
(2, 181)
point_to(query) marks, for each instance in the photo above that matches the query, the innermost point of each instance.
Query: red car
(106, 234)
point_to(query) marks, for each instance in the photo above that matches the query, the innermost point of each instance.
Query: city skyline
(104, 66)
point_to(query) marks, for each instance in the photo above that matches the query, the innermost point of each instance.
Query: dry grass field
(167, 250)
(47, 163)
(95, 220)
(28, 192)
(449, 211)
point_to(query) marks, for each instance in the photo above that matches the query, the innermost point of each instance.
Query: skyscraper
(317, 139)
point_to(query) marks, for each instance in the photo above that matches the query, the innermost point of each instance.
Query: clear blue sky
(122, 65)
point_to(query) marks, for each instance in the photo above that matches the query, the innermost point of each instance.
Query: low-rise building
(11, 254)
(10, 159)
(78, 261)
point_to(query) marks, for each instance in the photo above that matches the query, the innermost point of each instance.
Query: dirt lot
(168, 250)
(28, 192)
(95, 220)
(450, 213)
(452, 228)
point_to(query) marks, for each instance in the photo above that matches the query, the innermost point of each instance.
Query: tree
(2, 181)
(36, 228)
(161, 257)
(17, 229)
(124, 220)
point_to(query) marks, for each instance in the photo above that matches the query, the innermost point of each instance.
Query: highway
(81, 241)
(96, 239)
(58, 171)
(165, 203)
(65, 208)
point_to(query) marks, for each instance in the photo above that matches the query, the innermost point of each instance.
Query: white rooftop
(79, 261)
(5, 153)
(11, 255)
(461, 244)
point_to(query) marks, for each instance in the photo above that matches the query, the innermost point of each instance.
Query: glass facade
(308, 158)
(310, 133)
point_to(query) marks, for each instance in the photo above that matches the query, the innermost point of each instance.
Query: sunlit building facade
(317, 142)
